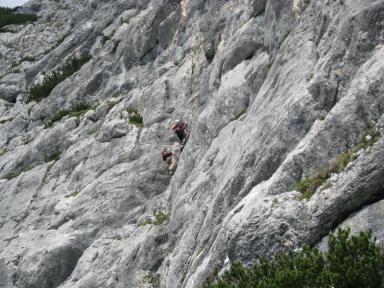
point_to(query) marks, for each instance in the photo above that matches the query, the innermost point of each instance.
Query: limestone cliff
(272, 90)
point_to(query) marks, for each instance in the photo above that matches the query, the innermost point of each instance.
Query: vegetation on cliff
(9, 16)
(351, 261)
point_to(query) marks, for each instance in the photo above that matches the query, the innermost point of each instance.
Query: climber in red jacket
(180, 129)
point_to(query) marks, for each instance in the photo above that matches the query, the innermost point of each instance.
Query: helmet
(177, 121)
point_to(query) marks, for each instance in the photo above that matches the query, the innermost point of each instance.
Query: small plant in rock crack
(46, 174)
(52, 157)
(73, 194)
(310, 76)
(152, 279)
(134, 117)
(39, 91)
(240, 113)
(351, 261)
(5, 120)
(12, 174)
(308, 185)
(117, 237)
(62, 38)
(158, 218)
(3, 151)
(17, 172)
(75, 110)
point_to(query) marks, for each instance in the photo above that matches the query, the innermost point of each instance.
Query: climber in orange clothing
(170, 159)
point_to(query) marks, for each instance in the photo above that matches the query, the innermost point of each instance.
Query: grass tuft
(39, 91)
(159, 218)
(12, 174)
(240, 113)
(308, 185)
(152, 279)
(134, 117)
(73, 194)
(117, 237)
(74, 111)
(310, 76)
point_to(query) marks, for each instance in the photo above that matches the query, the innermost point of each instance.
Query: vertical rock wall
(272, 90)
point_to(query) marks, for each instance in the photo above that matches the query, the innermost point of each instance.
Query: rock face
(272, 90)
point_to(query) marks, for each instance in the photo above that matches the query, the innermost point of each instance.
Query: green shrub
(79, 109)
(74, 111)
(159, 218)
(310, 76)
(152, 279)
(17, 172)
(12, 174)
(56, 117)
(134, 117)
(117, 237)
(73, 194)
(308, 185)
(52, 157)
(27, 59)
(351, 261)
(10, 16)
(42, 90)
(240, 113)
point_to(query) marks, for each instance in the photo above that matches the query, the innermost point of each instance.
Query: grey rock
(11, 86)
(271, 90)
(365, 219)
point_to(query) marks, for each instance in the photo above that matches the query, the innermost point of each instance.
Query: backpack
(180, 127)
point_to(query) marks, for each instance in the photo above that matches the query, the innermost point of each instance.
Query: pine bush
(42, 90)
(9, 16)
(350, 262)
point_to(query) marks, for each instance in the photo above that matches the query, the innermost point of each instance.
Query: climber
(180, 129)
(170, 159)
